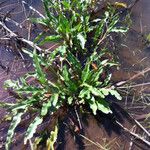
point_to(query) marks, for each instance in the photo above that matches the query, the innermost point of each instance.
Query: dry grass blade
(119, 84)
(95, 143)
(14, 35)
(134, 134)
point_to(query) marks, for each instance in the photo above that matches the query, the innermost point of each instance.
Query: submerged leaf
(32, 129)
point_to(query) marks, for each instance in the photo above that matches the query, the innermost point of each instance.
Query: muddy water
(133, 56)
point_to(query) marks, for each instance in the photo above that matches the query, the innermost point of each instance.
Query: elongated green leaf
(39, 21)
(52, 105)
(23, 104)
(82, 40)
(84, 93)
(93, 105)
(16, 120)
(121, 30)
(6, 105)
(94, 91)
(45, 108)
(46, 6)
(54, 99)
(70, 83)
(39, 37)
(103, 106)
(51, 38)
(116, 94)
(95, 74)
(86, 72)
(32, 129)
(29, 89)
(40, 74)
(61, 50)
(53, 137)
(18, 106)
(104, 91)
(74, 61)
(65, 74)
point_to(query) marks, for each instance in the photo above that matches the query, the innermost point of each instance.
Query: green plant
(74, 85)
(61, 78)
(71, 23)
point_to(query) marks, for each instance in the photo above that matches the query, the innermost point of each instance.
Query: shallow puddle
(134, 56)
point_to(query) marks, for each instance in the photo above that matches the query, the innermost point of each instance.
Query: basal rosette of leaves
(61, 78)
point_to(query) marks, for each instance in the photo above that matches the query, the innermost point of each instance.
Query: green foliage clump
(62, 77)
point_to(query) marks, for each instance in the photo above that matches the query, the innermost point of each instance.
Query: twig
(136, 85)
(78, 118)
(12, 34)
(133, 4)
(131, 143)
(95, 143)
(34, 9)
(104, 36)
(8, 19)
(134, 134)
(133, 77)
(138, 124)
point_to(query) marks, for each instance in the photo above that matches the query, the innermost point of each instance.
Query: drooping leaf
(6, 105)
(121, 30)
(32, 128)
(53, 137)
(16, 120)
(51, 38)
(86, 72)
(39, 21)
(116, 94)
(103, 106)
